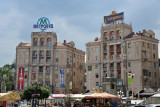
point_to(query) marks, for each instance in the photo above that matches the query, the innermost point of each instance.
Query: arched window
(49, 41)
(42, 41)
(105, 36)
(35, 42)
(112, 35)
(118, 34)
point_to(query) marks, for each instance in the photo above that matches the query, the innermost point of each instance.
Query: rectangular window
(34, 53)
(96, 75)
(154, 56)
(27, 52)
(154, 46)
(35, 43)
(154, 65)
(96, 66)
(57, 52)
(97, 49)
(96, 58)
(49, 43)
(129, 45)
(89, 68)
(48, 69)
(41, 69)
(97, 83)
(129, 55)
(57, 60)
(48, 53)
(41, 60)
(41, 53)
(35, 60)
(129, 64)
(48, 59)
(26, 60)
(34, 69)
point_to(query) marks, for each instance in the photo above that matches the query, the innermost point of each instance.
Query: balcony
(146, 76)
(109, 79)
(118, 49)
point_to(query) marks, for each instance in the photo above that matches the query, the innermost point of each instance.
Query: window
(57, 52)
(41, 60)
(129, 64)
(96, 75)
(153, 46)
(57, 60)
(49, 41)
(40, 68)
(55, 84)
(41, 53)
(149, 74)
(48, 59)
(35, 42)
(35, 60)
(26, 60)
(154, 65)
(33, 76)
(27, 52)
(25, 77)
(48, 69)
(42, 42)
(89, 68)
(96, 66)
(96, 58)
(129, 45)
(154, 56)
(48, 53)
(129, 55)
(97, 49)
(34, 69)
(74, 73)
(148, 45)
(34, 53)
(97, 83)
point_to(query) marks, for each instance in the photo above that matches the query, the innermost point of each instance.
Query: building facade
(120, 51)
(44, 58)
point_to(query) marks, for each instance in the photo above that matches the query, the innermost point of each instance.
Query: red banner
(21, 79)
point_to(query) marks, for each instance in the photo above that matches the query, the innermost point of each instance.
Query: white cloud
(10, 30)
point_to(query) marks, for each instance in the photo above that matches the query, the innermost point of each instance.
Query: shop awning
(9, 96)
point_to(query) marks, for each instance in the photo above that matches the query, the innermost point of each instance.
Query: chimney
(64, 41)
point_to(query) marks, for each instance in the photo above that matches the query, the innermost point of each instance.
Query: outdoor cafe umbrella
(58, 96)
(101, 95)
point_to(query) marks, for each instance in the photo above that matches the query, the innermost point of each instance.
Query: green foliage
(30, 90)
(6, 77)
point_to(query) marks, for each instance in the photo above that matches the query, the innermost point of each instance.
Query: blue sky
(74, 20)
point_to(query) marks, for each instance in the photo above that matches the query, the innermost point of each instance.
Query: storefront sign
(113, 17)
(70, 85)
(129, 78)
(43, 24)
(21, 79)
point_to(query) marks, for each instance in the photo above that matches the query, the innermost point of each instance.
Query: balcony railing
(109, 79)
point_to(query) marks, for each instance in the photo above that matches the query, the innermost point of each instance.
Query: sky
(73, 20)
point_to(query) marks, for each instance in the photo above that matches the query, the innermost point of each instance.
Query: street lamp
(120, 93)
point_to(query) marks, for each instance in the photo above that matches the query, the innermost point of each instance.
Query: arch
(105, 36)
(42, 41)
(118, 34)
(35, 41)
(49, 41)
(112, 35)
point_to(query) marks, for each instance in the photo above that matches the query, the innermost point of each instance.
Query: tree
(6, 78)
(38, 92)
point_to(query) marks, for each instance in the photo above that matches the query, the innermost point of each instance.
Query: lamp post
(120, 93)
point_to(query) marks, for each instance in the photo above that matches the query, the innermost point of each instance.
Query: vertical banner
(70, 85)
(129, 78)
(21, 79)
(61, 79)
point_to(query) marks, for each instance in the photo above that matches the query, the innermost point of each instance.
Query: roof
(60, 44)
(25, 44)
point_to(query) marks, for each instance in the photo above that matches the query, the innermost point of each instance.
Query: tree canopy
(6, 78)
(34, 92)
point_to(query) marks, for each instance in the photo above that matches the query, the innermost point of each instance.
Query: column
(44, 75)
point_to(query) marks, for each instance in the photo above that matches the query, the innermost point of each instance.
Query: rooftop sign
(113, 17)
(43, 23)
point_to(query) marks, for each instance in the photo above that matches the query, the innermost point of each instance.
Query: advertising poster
(21, 79)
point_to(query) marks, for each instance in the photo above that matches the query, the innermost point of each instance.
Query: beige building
(119, 51)
(44, 57)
